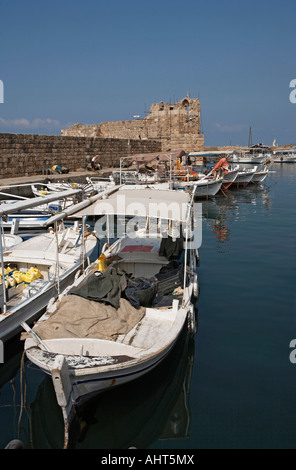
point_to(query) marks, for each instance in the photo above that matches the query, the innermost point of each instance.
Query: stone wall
(29, 154)
(175, 126)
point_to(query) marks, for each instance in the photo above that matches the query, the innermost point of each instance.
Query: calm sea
(232, 385)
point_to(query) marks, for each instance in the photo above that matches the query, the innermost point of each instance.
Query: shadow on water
(13, 351)
(153, 407)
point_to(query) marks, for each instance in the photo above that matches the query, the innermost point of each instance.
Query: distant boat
(248, 158)
(284, 157)
(254, 155)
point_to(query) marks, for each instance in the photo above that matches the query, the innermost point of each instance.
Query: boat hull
(229, 178)
(259, 177)
(251, 158)
(285, 160)
(243, 179)
(255, 160)
(203, 190)
(97, 380)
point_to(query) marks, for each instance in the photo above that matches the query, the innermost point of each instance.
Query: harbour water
(232, 385)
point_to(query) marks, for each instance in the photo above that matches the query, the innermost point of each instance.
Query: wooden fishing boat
(157, 274)
(230, 176)
(245, 176)
(157, 408)
(203, 188)
(260, 175)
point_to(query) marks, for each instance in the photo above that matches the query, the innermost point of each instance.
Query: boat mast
(250, 137)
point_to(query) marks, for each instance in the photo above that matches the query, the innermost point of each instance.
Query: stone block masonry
(30, 154)
(175, 126)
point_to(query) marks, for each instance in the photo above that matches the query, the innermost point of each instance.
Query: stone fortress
(167, 127)
(174, 126)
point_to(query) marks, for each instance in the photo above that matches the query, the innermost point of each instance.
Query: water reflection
(224, 209)
(133, 415)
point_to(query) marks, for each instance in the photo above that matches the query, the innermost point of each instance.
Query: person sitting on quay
(95, 164)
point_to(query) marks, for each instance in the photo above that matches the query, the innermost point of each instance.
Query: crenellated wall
(30, 154)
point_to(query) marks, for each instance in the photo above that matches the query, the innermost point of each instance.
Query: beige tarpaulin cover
(77, 317)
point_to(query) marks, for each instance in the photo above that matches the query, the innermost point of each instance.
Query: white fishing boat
(134, 177)
(120, 339)
(255, 154)
(228, 173)
(157, 408)
(35, 271)
(203, 188)
(248, 158)
(260, 175)
(245, 176)
(25, 220)
(223, 170)
(38, 269)
(30, 215)
(52, 188)
(284, 157)
(100, 184)
(230, 176)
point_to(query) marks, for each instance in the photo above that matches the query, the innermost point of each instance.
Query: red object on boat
(222, 163)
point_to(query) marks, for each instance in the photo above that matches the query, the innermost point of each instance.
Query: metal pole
(57, 270)
(2, 267)
(83, 241)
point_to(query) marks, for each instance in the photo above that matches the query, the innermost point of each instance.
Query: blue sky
(69, 61)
